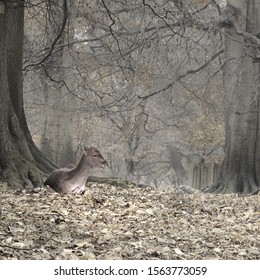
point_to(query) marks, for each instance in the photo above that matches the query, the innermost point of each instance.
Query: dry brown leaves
(129, 223)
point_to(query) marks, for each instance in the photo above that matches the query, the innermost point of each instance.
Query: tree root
(244, 188)
(26, 177)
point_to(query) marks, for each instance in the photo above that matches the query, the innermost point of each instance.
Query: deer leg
(78, 190)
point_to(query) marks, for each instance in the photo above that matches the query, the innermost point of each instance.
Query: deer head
(94, 158)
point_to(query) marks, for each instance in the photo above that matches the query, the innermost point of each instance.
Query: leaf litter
(113, 222)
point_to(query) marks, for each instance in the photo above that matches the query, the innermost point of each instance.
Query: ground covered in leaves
(111, 222)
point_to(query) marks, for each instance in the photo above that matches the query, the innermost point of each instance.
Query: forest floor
(110, 222)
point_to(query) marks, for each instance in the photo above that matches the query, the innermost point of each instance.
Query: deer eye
(95, 156)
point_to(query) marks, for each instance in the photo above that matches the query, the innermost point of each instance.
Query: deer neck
(80, 174)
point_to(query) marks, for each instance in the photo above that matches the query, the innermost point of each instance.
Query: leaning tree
(21, 163)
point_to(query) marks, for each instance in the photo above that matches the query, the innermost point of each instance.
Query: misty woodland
(129, 129)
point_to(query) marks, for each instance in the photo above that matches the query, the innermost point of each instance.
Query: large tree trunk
(241, 166)
(21, 164)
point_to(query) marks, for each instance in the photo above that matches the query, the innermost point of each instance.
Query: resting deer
(72, 178)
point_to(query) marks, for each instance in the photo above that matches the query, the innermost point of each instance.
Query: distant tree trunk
(57, 137)
(241, 166)
(128, 167)
(56, 140)
(21, 162)
(175, 158)
(130, 143)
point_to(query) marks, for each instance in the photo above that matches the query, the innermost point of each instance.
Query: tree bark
(240, 171)
(19, 166)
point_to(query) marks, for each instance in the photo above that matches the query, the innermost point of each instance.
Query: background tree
(56, 76)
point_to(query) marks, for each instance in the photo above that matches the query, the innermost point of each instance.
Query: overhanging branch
(183, 75)
(63, 25)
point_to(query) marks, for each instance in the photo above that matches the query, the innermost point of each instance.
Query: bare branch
(188, 72)
(50, 50)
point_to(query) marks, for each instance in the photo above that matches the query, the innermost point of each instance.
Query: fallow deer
(72, 178)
